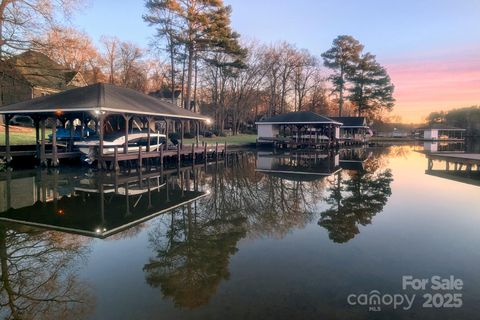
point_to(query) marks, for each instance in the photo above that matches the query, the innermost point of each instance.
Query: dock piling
(193, 154)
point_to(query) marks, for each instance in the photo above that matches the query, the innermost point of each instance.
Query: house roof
(352, 122)
(300, 117)
(41, 71)
(440, 126)
(98, 98)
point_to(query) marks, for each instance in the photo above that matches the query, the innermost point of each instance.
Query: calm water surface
(263, 236)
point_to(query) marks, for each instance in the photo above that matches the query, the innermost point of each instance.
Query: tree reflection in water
(193, 252)
(38, 278)
(355, 198)
(193, 249)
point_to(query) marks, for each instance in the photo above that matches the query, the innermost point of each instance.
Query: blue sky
(424, 36)
(390, 29)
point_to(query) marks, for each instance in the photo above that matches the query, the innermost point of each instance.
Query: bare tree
(110, 56)
(21, 20)
(69, 47)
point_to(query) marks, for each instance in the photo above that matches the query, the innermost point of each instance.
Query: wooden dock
(455, 161)
(190, 153)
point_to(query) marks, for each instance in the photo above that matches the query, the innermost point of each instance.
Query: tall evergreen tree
(372, 88)
(200, 25)
(342, 59)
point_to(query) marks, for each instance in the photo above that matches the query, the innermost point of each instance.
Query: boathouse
(99, 108)
(303, 128)
(354, 129)
(439, 131)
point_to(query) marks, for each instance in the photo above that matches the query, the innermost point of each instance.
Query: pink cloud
(437, 84)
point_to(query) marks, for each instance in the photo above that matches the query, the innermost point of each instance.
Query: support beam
(54, 143)
(101, 127)
(43, 157)
(197, 127)
(193, 154)
(115, 159)
(72, 133)
(182, 132)
(125, 144)
(8, 155)
(37, 137)
(178, 156)
(149, 122)
(166, 133)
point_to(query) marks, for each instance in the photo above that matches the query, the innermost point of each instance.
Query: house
(353, 128)
(440, 131)
(32, 74)
(303, 127)
(166, 94)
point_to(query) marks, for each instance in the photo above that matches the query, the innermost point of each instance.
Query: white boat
(136, 140)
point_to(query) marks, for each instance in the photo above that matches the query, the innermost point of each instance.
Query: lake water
(261, 236)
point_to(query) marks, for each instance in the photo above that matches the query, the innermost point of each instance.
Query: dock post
(149, 122)
(71, 135)
(115, 159)
(54, 143)
(101, 129)
(8, 155)
(42, 146)
(161, 156)
(126, 118)
(205, 154)
(140, 156)
(216, 150)
(225, 150)
(182, 133)
(166, 134)
(193, 154)
(178, 155)
(37, 138)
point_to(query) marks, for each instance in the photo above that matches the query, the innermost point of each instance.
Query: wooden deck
(113, 161)
(455, 161)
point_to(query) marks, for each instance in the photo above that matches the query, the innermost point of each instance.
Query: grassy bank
(18, 135)
(240, 139)
(21, 135)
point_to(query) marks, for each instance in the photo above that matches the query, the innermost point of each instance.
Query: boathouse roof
(100, 97)
(299, 117)
(352, 122)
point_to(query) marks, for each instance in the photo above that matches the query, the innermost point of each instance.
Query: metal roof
(352, 122)
(101, 97)
(300, 117)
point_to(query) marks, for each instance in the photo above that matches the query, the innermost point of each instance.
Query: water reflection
(192, 256)
(39, 279)
(355, 197)
(201, 213)
(92, 204)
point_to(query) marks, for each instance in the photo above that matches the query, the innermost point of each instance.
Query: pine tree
(371, 89)
(198, 25)
(342, 59)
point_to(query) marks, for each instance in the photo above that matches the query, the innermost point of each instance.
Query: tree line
(465, 118)
(198, 61)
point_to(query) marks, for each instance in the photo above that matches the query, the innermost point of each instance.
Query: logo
(433, 292)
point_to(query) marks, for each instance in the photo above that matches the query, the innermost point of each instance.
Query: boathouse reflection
(96, 205)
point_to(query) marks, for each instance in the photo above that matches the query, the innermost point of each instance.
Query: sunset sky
(431, 48)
